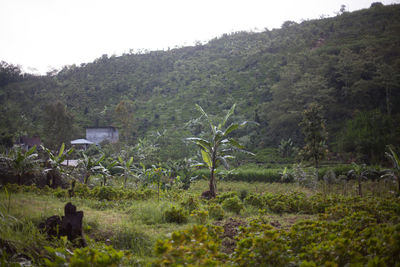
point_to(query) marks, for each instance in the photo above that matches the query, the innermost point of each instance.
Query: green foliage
(315, 134)
(176, 215)
(367, 134)
(221, 197)
(215, 211)
(200, 216)
(250, 175)
(105, 256)
(255, 201)
(347, 63)
(395, 172)
(286, 148)
(216, 151)
(21, 162)
(232, 204)
(196, 246)
(190, 204)
(349, 231)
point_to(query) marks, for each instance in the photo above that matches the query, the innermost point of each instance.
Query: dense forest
(349, 64)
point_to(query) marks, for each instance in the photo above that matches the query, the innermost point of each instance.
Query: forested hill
(349, 64)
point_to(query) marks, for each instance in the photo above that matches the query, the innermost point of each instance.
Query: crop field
(247, 224)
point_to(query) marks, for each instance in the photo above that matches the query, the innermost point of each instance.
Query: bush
(104, 193)
(197, 246)
(226, 195)
(216, 212)
(190, 204)
(255, 201)
(175, 215)
(200, 216)
(106, 256)
(232, 204)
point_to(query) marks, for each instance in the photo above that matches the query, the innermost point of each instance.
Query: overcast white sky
(46, 34)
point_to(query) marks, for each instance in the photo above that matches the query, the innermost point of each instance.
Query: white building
(100, 134)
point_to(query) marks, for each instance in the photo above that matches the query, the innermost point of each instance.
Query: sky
(43, 35)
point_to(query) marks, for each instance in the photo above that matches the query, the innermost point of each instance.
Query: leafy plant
(232, 204)
(127, 167)
(91, 166)
(105, 170)
(175, 215)
(21, 162)
(360, 173)
(216, 212)
(286, 147)
(395, 172)
(55, 161)
(216, 151)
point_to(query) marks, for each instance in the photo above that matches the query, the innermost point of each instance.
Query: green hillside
(349, 64)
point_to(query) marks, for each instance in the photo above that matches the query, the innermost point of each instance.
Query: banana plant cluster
(55, 161)
(21, 162)
(393, 173)
(218, 149)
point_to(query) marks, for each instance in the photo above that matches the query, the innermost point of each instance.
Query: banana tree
(216, 151)
(359, 172)
(105, 170)
(54, 162)
(21, 162)
(90, 166)
(126, 167)
(395, 172)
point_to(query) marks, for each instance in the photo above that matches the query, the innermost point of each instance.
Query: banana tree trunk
(212, 184)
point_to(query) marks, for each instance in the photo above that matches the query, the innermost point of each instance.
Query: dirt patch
(231, 228)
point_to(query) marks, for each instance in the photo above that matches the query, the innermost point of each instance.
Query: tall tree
(315, 135)
(58, 125)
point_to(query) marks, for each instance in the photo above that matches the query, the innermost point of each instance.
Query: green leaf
(230, 112)
(231, 128)
(30, 151)
(204, 144)
(235, 143)
(206, 158)
(206, 116)
(128, 164)
(60, 153)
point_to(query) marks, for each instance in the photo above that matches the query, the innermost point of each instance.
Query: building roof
(71, 162)
(81, 142)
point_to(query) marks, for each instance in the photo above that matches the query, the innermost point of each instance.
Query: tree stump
(69, 225)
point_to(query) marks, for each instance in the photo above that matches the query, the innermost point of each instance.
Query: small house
(101, 134)
(27, 142)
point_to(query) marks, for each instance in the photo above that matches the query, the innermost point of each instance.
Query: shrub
(197, 246)
(175, 215)
(60, 193)
(106, 256)
(255, 201)
(232, 204)
(104, 193)
(200, 216)
(216, 212)
(243, 194)
(221, 197)
(190, 204)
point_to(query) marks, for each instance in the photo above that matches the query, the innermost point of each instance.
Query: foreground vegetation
(247, 224)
